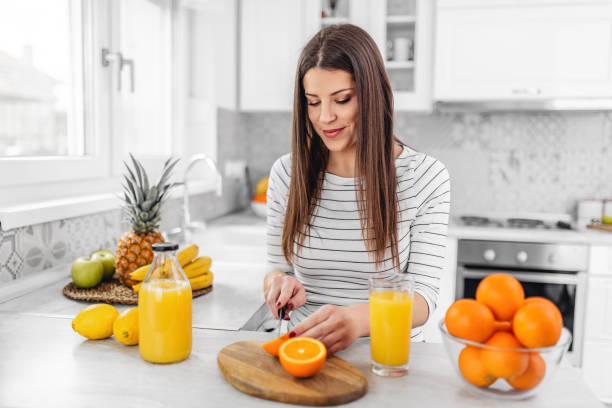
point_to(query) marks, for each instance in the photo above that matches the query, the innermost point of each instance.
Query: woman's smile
(332, 133)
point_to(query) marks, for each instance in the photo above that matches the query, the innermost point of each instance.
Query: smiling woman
(351, 200)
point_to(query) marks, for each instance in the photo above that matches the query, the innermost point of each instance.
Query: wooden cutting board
(601, 227)
(251, 370)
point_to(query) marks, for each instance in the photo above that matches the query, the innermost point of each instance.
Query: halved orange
(273, 345)
(302, 356)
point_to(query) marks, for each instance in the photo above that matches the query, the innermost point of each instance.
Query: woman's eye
(313, 103)
(344, 100)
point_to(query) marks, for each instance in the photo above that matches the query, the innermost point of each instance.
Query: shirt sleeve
(277, 195)
(428, 231)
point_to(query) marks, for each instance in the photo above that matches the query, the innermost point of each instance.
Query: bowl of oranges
(502, 344)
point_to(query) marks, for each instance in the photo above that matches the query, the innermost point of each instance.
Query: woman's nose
(327, 113)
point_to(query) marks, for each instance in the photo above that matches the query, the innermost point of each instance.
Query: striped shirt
(333, 264)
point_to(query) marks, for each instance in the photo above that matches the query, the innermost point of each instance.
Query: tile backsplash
(517, 162)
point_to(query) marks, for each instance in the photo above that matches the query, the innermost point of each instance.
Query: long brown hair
(348, 48)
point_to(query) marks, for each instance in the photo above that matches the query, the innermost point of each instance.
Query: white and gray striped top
(333, 264)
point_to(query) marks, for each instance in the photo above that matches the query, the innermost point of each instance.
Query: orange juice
(164, 311)
(390, 323)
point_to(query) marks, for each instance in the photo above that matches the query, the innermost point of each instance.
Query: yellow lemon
(96, 321)
(125, 328)
(262, 186)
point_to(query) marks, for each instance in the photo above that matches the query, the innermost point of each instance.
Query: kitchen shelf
(334, 20)
(401, 19)
(399, 64)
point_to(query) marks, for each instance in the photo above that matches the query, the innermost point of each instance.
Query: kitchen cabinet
(501, 50)
(272, 35)
(597, 356)
(266, 71)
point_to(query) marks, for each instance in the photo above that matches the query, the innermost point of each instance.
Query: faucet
(187, 226)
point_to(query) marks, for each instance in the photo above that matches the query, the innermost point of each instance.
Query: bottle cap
(164, 246)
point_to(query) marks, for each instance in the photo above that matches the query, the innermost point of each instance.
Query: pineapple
(142, 205)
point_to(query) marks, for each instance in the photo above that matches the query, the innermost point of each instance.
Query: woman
(350, 200)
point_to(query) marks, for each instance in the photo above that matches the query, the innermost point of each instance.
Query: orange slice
(302, 356)
(273, 345)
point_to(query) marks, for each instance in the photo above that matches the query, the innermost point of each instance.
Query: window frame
(43, 189)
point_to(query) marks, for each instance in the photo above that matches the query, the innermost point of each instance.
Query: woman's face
(332, 107)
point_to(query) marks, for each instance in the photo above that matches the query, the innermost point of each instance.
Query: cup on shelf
(402, 49)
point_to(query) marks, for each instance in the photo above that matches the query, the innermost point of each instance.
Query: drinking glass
(391, 303)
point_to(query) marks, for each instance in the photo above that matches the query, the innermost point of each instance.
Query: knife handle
(281, 312)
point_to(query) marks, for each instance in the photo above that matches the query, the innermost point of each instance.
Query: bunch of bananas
(196, 268)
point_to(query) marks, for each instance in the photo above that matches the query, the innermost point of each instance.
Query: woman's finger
(332, 338)
(322, 329)
(285, 292)
(315, 319)
(272, 299)
(299, 297)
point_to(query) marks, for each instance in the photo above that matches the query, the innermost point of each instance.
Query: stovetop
(560, 222)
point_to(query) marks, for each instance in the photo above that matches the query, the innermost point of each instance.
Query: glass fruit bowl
(473, 361)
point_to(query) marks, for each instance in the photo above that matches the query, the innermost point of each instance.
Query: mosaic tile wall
(524, 162)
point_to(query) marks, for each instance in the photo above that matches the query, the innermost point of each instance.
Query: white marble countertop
(589, 237)
(44, 363)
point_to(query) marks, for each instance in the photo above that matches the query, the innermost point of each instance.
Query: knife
(281, 316)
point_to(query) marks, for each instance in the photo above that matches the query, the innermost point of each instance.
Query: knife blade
(281, 316)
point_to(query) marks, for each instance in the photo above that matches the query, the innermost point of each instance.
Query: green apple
(108, 261)
(87, 272)
(606, 219)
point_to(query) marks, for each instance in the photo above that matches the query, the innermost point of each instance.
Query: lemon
(96, 321)
(262, 186)
(606, 219)
(125, 328)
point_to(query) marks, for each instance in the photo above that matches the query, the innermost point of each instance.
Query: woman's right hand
(284, 290)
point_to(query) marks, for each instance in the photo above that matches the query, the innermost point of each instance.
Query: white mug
(401, 49)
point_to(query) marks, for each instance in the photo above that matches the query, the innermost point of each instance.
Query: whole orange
(502, 293)
(469, 320)
(504, 363)
(538, 324)
(472, 368)
(532, 376)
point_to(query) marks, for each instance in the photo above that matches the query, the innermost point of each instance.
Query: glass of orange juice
(391, 301)
(164, 309)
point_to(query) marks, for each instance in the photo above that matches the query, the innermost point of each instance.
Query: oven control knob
(521, 257)
(489, 255)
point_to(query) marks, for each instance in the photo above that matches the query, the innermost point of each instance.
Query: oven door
(566, 290)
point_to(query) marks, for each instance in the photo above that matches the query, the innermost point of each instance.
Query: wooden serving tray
(112, 291)
(250, 369)
(600, 227)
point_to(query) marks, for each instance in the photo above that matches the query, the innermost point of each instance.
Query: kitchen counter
(588, 237)
(44, 363)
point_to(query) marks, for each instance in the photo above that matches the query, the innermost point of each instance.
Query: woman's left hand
(336, 326)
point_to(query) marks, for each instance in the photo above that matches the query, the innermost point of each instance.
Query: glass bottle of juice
(164, 308)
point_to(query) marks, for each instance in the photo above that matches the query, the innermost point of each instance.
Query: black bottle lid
(164, 246)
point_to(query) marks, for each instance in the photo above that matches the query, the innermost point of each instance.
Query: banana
(140, 273)
(198, 266)
(202, 281)
(187, 254)
(184, 257)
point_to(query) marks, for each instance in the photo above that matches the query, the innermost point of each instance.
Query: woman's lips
(332, 132)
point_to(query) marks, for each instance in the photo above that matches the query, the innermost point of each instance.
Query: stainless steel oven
(553, 271)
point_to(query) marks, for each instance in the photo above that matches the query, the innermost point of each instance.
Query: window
(67, 120)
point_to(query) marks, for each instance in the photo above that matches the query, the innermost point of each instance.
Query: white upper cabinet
(273, 33)
(522, 50)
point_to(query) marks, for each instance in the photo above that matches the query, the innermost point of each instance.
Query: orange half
(273, 345)
(302, 356)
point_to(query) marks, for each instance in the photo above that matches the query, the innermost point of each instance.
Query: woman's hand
(336, 326)
(281, 290)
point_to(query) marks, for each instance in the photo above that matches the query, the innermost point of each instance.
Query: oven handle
(536, 277)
